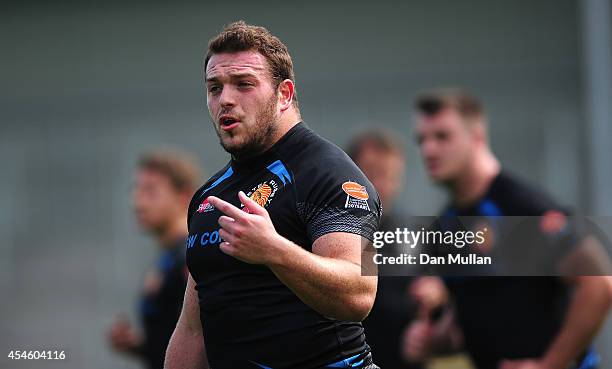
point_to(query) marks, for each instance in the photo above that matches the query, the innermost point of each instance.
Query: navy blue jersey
(508, 317)
(249, 317)
(392, 312)
(161, 302)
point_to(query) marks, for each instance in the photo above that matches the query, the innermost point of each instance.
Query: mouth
(432, 165)
(228, 122)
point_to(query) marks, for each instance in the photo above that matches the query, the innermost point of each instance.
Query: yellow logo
(262, 194)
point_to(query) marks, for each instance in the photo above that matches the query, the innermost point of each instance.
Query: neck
(287, 120)
(175, 231)
(475, 180)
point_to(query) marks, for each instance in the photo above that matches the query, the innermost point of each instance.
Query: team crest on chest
(262, 193)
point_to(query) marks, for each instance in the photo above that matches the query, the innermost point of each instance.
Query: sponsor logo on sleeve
(356, 196)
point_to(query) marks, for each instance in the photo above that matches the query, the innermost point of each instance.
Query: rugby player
(165, 181)
(275, 237)
(507, 322)
(381, 156)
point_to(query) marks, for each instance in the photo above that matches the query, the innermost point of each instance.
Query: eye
(441, 136)
(245, 84)
(214, 89)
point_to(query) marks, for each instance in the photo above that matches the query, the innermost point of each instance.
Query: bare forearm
(186, 348)
(586, 313)
(186, 351)
(333, 287)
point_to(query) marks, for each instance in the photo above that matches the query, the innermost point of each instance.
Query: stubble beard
(258, 136)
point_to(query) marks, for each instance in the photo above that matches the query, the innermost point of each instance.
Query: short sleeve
(337, 197)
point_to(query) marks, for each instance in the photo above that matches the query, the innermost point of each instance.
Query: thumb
(252, 206)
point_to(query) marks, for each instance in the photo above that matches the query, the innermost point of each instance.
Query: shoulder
(315, 160)
(519, 197)
(332, 194)
(324, 170)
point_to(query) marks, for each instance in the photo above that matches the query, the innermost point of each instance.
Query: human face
(384, 169)
(242, 102)
(446, 144)
(156, 202)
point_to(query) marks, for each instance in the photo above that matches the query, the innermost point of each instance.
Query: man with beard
(506, 322)
(275, 237)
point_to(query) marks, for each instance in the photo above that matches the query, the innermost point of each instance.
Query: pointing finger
(250, 204)
(226, 208)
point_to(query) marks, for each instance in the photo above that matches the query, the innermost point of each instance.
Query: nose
(226, 99)
(428, 148)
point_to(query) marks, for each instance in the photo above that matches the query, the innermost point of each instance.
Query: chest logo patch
(263, 193)
(205, 206)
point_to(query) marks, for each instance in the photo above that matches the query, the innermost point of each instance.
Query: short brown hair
(240, 36)
(434, 101)
(180, 168)
(379, 139)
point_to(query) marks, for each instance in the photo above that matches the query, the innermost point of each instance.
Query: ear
(475, 128)
(286, 91)
(480, 131)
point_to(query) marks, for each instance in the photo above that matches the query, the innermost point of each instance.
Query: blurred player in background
(506, 322)
(164, 185)
(381, 157)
